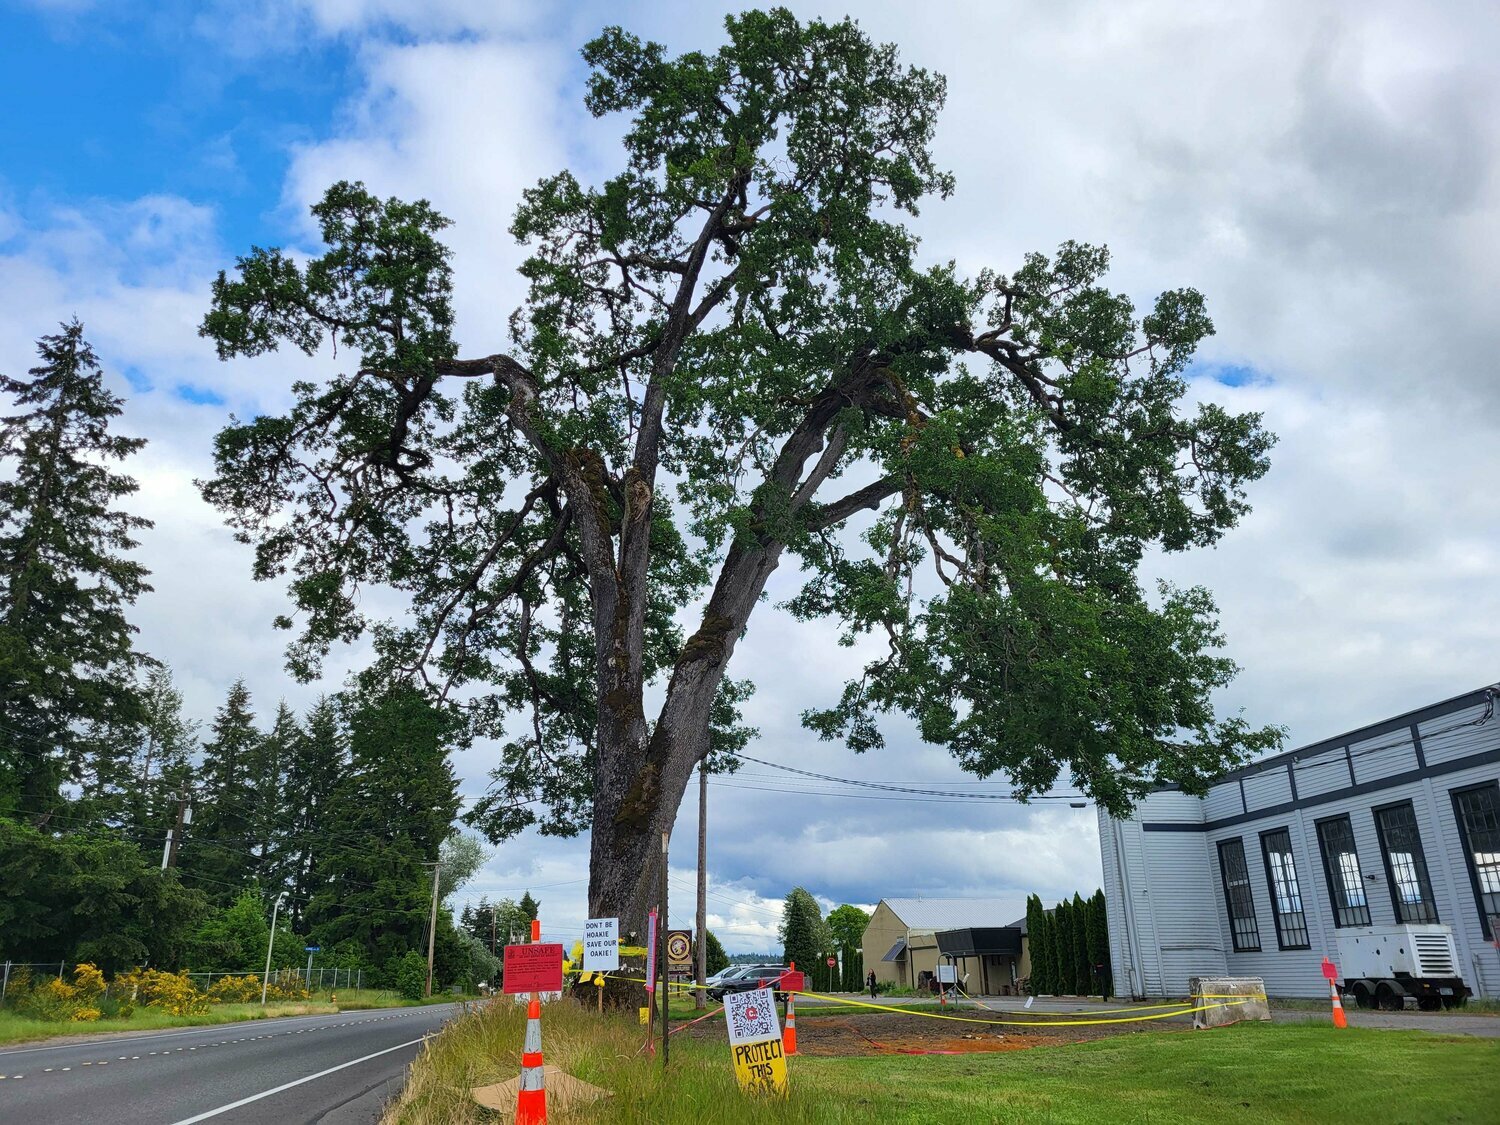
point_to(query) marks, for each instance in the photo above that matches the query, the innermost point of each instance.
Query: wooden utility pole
(702, 919)
(492, 931)
(432, 924)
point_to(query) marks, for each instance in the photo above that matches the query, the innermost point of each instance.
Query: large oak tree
(730, 354)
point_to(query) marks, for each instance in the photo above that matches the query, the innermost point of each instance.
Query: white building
(1398, 822)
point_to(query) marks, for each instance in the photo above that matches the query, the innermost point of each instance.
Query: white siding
(1222, 801)
(1383, 756)
(1268, 787)
(1457, 735)
(1322, 773)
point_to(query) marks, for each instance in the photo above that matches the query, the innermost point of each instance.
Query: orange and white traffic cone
(1338, 1006)
(789, 1034)
(531, 1099)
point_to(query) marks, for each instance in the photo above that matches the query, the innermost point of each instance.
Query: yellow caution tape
(1184, 1008)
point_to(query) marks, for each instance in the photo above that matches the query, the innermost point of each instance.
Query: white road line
(288, 1085)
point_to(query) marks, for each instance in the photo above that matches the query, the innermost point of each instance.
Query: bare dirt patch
(887, 1033)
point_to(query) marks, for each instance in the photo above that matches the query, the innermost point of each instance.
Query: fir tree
(217, 849)
(267, 766)
(167, 742)
(67, 661)
(388, 816)
(318, 760)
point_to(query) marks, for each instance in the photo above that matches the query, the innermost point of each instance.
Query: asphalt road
(333, 1070)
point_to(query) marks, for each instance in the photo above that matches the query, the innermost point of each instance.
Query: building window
(1478, 812)
(1405, 864)
(1286, 895)
(1346, 884)
(1237, 897)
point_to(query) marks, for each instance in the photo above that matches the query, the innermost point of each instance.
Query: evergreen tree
(530, 910)
(167, 743)
(715, 959)
(318, 761)
(269, 762)
(1062, 947)
(803, 933)
(1078, 957)
(216, 851)
(67, 661)
(1041, 945)
(388, 817)
(1037, 943)
(1099, 944)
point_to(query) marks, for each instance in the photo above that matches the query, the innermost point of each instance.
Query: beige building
(907, 938)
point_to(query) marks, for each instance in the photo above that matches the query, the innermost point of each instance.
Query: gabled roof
(952, 913)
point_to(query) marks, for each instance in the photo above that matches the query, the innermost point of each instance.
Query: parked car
(754, 976)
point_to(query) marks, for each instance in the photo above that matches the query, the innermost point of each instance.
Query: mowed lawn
(1246, 1073)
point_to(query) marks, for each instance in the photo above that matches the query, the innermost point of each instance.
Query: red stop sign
(832, 961)
(1330, 971)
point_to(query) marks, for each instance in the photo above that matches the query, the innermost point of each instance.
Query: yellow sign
(645, 1015)
(761, 1067)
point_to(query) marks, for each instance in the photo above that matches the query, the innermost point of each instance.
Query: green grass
(20, 1029)
(1247, 1073)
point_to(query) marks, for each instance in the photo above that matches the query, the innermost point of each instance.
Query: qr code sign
(751, 1016)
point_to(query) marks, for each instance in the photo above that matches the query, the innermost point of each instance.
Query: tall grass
(1250, 1072)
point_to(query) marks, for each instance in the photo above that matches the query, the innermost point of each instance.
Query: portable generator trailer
(1385, 966)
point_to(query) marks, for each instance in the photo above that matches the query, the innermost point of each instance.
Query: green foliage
(387, 816)
(715, 959)
(1039, 940)
(305, 813)
(217, 856)
(1098, 944)
(408, 974)
(803, 933)
(90, 897)
(462, 856)
(713, 337)
(68, 696)
(1083, 974)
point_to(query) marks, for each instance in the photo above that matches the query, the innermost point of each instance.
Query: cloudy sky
(1325, 172)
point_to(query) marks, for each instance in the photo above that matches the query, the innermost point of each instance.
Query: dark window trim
(1265, 855)
(1328, 872)
(1234, 934)
(1390, 872)
(1463, 838)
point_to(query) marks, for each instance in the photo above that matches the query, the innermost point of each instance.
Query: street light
(270, 944)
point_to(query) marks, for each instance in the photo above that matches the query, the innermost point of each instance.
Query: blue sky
(103, 106)
(1328, 175)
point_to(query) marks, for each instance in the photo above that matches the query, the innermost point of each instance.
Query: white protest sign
(751, 1016)
(601, 945)
(755, 1045)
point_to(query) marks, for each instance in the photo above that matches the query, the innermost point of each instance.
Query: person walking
(870, 984)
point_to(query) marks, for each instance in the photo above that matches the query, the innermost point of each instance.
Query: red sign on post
(1330, 971)
(533, 968)
(832, 961)
(791, 982)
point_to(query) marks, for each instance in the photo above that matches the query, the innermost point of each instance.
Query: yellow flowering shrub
(235, 990)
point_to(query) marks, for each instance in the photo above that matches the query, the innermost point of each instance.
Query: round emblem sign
(678, 947)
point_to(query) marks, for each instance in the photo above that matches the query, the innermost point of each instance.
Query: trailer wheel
(1429, 1003)
(1363, 996)
(1455, 1001)
(1387, 999)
